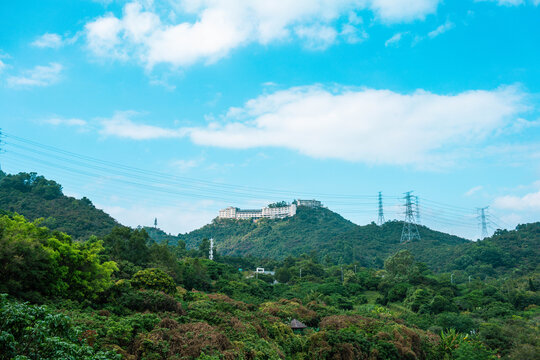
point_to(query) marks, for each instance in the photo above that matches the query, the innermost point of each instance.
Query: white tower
(211, 254)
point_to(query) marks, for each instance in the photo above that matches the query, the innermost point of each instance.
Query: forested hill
(333, 238)
(35, 197)
(371, 244)
(507, 251)
(160, 236)
(277, 239)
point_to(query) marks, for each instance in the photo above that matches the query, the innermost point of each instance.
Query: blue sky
(225, 102)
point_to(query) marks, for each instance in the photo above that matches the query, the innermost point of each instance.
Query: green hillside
(160, 236)
(35, 197)
(333, 238)
(515, 251)
(370, 244)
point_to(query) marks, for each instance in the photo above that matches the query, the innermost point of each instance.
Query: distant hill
(35, 197)
(507, 251)
(371, 244)
(332, 237)
(161, 236)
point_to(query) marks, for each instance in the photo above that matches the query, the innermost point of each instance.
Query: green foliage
(517, 250)
(35, 332)
(352, 312)
(153, 279)
(123, 243)
(35, 197)
(38, 262)
(337, 240)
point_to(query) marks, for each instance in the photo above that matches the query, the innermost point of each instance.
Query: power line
(119, 176)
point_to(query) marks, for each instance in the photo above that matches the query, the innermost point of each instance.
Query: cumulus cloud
(441, 29)
(41, 75)
(48, 41)
(318, 37)
(365, 125)
(527, 202)
(121, 125)
(220, 26)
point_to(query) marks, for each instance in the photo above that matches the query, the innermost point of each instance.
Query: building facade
(309, 203)
(280, 212)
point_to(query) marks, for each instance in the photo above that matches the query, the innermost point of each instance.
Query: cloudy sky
(176, 108)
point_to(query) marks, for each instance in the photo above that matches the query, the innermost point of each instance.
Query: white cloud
(317, 37)
(48, 41)
(366, 125)
(474, 190)
(121, 125)
(512, 2)
(2, 66)
(403, 10)
(395, 39)
(220, 26)
(527, 202)
(441, 29)
(38, 76)
(68, 122)
(185, 165)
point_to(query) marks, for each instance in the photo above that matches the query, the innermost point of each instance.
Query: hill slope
(35, 197)
(334, 238)
(516, 251)
(371, 244)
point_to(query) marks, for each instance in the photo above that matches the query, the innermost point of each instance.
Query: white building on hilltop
(308, 203)
(279, 212)
(271, 212)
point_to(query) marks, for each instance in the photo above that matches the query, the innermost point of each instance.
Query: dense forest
(118, 294)
(336, 240)
(36, 197)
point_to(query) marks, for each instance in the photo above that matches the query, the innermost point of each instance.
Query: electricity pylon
(410, 229)
(417, 210)
(483, 221)
(380, 220)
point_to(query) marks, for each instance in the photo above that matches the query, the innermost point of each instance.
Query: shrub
(153, 279)
(35, 332)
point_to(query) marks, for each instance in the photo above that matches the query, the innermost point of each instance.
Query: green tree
(36, 261)
(400, 265)
(154, 279)
(127, 244)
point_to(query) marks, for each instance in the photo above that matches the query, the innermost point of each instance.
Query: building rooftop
(295, 325)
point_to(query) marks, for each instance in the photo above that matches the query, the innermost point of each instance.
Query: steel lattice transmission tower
(380, 220)
(482, 217)
(410, 229)
(417, 210)
(211, 252)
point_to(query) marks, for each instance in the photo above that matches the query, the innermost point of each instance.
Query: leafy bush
(35, 332)
(153, 279)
